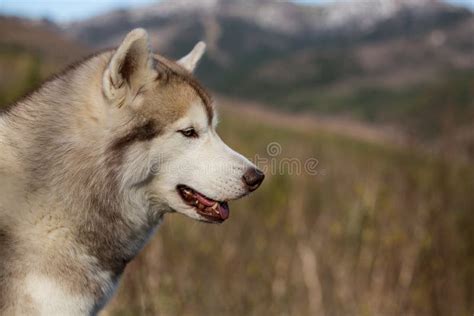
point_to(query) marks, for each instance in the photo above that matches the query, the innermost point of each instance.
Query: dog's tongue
(204, 201)
(222, 207)
(224, 210)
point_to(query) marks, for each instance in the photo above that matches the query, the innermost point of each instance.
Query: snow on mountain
(368, 12)
(279, 17)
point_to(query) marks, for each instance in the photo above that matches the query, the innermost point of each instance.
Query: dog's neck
(87, 210)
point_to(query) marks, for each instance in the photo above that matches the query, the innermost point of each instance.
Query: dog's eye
(189, 132)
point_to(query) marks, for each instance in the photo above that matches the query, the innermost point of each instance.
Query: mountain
(374, 60)
(41, 37)
(273, 16)
(280, 23)
(29, 52)
(250, 38)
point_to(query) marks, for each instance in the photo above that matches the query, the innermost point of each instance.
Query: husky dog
(89, 165)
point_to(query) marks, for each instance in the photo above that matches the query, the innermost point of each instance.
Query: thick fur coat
(89, 165)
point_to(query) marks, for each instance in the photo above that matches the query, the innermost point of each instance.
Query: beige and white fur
(89, 165)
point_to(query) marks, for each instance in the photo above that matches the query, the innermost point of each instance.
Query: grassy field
(374, 231)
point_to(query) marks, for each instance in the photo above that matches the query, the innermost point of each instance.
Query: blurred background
(360, 111)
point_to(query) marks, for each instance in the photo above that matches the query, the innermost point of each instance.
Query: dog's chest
(49, 297)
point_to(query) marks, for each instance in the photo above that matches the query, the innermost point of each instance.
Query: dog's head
(164, 133)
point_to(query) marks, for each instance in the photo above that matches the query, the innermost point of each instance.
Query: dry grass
(377, 231)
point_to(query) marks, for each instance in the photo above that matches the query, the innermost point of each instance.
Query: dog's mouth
(211, 210)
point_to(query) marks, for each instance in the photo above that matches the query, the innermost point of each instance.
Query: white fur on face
(206, 164)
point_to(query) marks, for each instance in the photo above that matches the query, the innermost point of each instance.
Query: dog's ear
(129, 68)
(190, 61)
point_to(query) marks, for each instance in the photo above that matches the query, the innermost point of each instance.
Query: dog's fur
(89, 165)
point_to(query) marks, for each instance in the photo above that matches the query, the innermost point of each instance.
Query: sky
(69, 10)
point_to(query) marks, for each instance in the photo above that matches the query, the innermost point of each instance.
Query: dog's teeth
(214, 209)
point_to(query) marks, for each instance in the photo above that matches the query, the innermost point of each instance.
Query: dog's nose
(253, 178)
